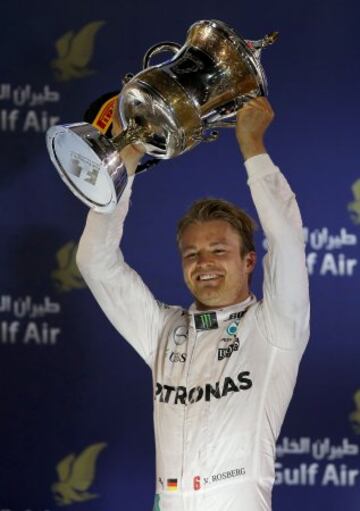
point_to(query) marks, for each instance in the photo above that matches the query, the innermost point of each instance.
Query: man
(223, 371)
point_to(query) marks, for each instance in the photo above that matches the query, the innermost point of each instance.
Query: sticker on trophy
(104, 117)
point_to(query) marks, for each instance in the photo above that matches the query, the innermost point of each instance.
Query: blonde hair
(207, 209)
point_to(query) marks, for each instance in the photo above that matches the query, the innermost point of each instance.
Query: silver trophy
(167, 109)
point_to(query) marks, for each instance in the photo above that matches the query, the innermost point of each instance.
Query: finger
(262, 104)
(250, 106)
(255, 104)
(267, 105)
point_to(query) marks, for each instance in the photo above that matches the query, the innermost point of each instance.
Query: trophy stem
(121, 140)
(132, 134)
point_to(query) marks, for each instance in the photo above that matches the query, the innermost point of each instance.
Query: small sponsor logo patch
(177, 357)
(206, 321)
(236, 315)
(232, 328)
(228, 350)
(180, 334)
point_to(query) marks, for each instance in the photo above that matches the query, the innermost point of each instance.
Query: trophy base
(88, 163)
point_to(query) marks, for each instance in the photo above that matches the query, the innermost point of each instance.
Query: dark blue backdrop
(74, 397)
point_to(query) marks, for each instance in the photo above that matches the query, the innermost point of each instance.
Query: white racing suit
(222, 379)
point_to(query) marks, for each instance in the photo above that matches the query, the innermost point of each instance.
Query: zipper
(186, 404)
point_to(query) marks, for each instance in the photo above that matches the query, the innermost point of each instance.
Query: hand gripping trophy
(167, 108)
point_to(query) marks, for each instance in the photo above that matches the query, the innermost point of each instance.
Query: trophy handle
(204, 135)
(159, 48)
(267, 40)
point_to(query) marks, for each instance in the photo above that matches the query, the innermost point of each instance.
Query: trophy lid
(201, 31)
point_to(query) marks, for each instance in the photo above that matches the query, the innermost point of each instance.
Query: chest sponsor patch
(209, 391)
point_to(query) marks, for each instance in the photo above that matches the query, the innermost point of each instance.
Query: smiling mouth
(206, 277)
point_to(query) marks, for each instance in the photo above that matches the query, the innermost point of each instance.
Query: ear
(250, 261)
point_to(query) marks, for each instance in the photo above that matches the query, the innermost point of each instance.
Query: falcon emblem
(355, 415)
(75, 51)
(354, 207)
(67, 276)
(76, 475)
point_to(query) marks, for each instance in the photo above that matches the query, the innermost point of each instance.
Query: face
(214, 271)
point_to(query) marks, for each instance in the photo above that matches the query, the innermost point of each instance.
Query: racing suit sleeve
(284, 312)
(118, 289)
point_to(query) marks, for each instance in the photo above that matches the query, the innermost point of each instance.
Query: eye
(219, 251)
(190, 255)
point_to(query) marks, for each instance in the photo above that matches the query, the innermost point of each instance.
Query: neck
(207, 307)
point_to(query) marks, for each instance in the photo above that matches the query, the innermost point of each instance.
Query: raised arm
(284, 313)
(118, 289)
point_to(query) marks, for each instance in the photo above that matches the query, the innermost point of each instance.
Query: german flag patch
(172, 485)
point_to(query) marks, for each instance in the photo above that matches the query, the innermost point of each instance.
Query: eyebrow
(212, 244)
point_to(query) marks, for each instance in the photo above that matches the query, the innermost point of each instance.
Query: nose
(204, 259)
